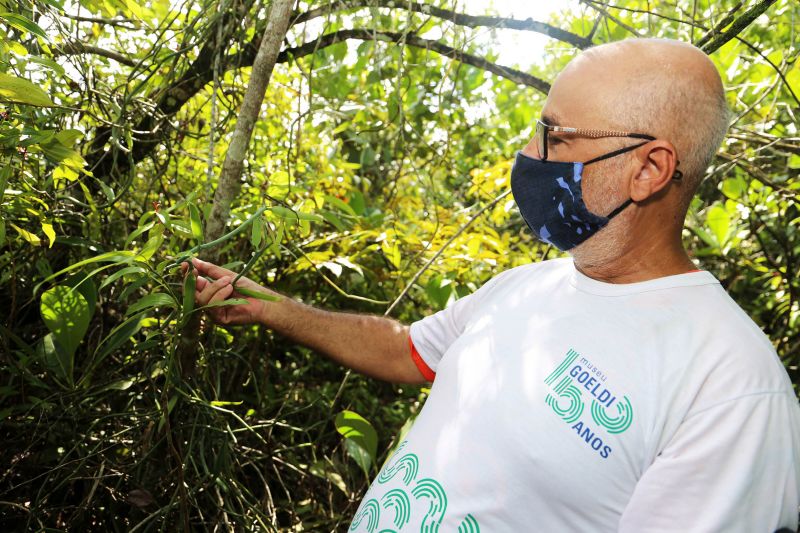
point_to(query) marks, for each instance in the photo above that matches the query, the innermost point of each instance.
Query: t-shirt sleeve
(433, 335)
(732, 467)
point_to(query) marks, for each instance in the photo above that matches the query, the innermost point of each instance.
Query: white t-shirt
(562, 403)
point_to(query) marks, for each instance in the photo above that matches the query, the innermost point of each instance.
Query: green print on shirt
(567, 401)
(397, 500)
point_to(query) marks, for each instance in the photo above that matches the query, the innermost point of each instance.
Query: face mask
(550, 199)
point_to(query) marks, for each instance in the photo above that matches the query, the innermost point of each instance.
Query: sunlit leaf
(21, 91)
(23, 24)
(66, 314)
(51, 234)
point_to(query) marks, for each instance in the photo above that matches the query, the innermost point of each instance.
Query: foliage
(375, 172)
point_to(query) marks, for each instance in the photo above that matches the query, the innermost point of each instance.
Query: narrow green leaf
(340, 204)
(195, 221)
(23, 24)
(156, 299)
(257, 294)
(220, 403)
(122, 272)
(189, 284)
(118, 336)
(226, 303)
(256, 232)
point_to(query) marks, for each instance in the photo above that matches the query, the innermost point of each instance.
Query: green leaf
(734, 187)
(358, 454)
(439, 290)
(66, 314)
(49, 63)
(56, 359)
(718, 222)
(157, 299)
(189, 284)
(226, 303)
(21, 91)
(325, 471)
(51, 234)
(122, 272)
(27, 235)
(107, 257)
(221, 403)
(256, 232)
(340, 204)
(195, 221)
(252, 293)
(63, 155)
(118, 336)
(361, 436)
(23, 24)
(290, 214)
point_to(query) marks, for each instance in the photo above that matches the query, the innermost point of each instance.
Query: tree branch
(726, 20)
(737, 27)
(72, 48)
(461, 19)
(230, 177)
(329, 39)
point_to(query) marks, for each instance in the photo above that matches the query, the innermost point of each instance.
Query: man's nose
(532, 148)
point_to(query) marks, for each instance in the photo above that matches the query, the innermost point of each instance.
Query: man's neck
(645, 261)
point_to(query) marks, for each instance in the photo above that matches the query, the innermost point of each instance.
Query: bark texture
(230, 177)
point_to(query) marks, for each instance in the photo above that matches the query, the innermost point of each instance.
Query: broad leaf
(21, 91)
(66, 314)
(361, 439)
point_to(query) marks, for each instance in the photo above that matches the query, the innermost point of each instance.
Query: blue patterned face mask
(550, 199)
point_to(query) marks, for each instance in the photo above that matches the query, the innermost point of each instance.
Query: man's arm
(375, 346)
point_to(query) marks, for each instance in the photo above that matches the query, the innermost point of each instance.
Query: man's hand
(214, 285)
(373, 345)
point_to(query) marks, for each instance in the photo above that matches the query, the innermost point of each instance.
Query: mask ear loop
(609, 155)
(615, 153)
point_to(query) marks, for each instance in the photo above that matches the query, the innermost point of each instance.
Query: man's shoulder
(740, 355)
(533, 272)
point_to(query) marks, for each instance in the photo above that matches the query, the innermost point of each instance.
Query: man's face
(580, 99)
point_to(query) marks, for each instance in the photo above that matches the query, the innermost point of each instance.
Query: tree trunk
(230, 177)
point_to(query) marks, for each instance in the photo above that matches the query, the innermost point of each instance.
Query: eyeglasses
(543, 129)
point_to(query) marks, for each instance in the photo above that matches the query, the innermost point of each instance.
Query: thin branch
(517, 76)
(72, 48)
(713, 32)
(461, 19)
(439, 252)
(737, 26)
(608, 16)
(121, 23)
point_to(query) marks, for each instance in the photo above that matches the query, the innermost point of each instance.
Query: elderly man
(620, 389)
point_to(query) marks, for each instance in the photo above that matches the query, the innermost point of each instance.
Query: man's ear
(656, 162)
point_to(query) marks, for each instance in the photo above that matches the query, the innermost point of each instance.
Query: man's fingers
(211, 270)
(210, 289)
(221, 294)
(201, 283)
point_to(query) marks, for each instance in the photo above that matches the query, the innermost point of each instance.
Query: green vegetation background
(375, 175)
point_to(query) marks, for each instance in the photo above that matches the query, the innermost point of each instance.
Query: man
(619, 390)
